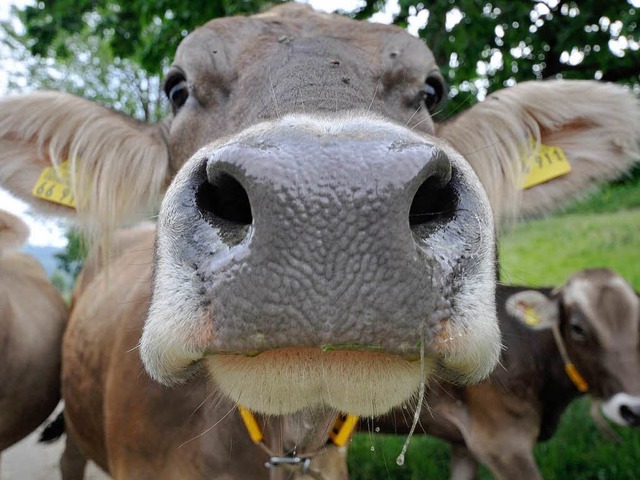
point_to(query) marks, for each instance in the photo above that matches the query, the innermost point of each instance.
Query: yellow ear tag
(531, 317)
(55, 186)
(544, 165)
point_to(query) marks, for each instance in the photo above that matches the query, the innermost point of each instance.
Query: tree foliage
(494, 43)
(72, 258)
(145, 31)
(88, 69)
(499, 42)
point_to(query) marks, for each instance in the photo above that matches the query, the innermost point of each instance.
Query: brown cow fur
(32, 320)
(133, 427)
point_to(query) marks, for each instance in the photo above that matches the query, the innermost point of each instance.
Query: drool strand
(416, 415)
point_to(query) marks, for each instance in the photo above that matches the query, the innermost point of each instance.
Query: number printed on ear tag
(544, 165)
(55, 186)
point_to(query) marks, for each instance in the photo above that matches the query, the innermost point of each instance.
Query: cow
(322, 246)
(32, 320)
(581, 337)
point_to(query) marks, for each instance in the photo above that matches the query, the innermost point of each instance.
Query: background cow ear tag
(531, 316)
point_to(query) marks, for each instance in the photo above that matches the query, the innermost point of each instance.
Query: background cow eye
(177, 90)
(577, 332)
(432, 93)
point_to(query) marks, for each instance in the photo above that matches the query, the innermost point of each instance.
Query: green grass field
(601, 231)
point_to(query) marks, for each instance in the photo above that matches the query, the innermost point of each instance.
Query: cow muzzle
(318, 258)
(623, 409)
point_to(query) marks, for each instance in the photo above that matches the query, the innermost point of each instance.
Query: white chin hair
(281, 382)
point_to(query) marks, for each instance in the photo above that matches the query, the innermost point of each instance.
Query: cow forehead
(245, 39)
(606, 300)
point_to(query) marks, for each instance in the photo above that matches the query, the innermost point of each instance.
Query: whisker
(231, 410)
(427, 118)
(273, 94)
(373, 97)
(373, 56)
(497, 142)
(413, 115)
(207, 397)
(459, 106)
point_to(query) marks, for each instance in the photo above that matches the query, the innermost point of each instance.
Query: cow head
(598, 316)
(321, 235)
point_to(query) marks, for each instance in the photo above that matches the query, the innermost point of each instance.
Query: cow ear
(533, 309)
(114, 166)
(596, 125)
(13, 232)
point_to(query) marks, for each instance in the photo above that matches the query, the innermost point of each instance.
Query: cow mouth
(287, 380)
(360, 379)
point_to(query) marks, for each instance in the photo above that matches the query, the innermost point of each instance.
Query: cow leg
(500, 432)
(463, 465)
(513, 464)
(72, 461)
(505, 447)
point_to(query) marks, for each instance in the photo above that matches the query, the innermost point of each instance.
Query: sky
(49, 232)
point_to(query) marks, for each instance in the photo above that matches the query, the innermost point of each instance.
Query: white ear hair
(533, 309)
(596, 124)
(13, 232)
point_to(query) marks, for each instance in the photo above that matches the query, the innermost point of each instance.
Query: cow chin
(287, 380)
(283, 381)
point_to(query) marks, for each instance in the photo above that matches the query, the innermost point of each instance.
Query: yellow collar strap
(569, 367)
(342, 429)
(339, 435)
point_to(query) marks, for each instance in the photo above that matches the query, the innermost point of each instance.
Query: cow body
(322, 246)
(32, 321)
(133, 427)
(498, 421)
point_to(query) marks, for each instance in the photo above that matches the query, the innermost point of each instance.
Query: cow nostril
(222, 197)
(435, 201)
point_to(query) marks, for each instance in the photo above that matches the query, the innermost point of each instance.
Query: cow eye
(577, 332)
(432, 93)
(177, 89)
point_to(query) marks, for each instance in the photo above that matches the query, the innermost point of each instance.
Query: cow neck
(296, 461)
(569, 367)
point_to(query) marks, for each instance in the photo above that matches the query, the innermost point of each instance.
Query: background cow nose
(631, 414)
(623, 409)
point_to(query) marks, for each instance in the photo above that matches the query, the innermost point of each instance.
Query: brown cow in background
(320, 236)
(32, 321)
(596, 318)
